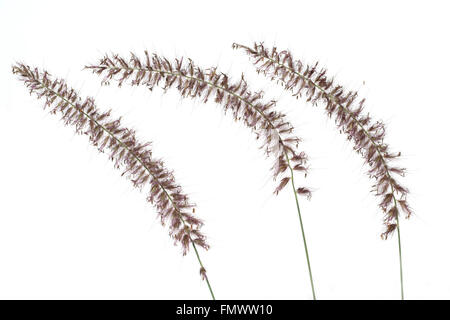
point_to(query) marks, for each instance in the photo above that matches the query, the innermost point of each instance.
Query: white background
(72, 227)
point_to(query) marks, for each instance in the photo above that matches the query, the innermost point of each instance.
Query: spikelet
(191, 81)
(366, 135)
(133, 157)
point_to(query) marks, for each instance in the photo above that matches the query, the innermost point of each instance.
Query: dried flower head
(191, 81)
(133, 157)
(367, 135)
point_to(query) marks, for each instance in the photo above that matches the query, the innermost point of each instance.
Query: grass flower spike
(249, 107)
(133, 157)
(367, 135)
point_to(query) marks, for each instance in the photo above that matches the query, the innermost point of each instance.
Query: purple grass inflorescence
(133, 157)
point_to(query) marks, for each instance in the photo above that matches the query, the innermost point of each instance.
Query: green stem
(400, 257)
(201, 265)
(303, 231)
(140, 161)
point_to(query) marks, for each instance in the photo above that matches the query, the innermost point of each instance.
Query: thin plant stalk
(203, 270)
(400, 258)
(303, 232)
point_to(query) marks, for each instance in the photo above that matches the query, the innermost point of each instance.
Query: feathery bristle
(367, 136)
(192, 81)
(133, 157)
